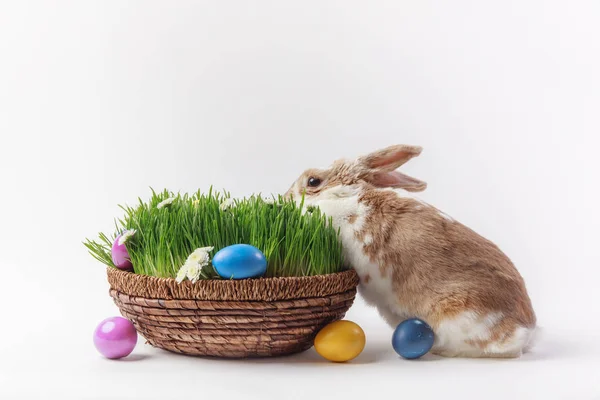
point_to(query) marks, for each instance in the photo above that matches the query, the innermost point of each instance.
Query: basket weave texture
(232, 318)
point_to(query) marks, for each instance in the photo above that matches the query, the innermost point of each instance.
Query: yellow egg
(340, 341)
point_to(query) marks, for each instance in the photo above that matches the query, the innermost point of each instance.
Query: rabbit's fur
(415, 261)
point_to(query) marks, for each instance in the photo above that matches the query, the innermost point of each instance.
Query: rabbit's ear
(390, 158)
(396, 179)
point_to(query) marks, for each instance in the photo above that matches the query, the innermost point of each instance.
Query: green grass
(294, 244)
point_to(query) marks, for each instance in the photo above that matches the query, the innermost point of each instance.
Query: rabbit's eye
(313, 182)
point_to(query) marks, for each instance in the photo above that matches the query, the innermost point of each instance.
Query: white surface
(101, 99)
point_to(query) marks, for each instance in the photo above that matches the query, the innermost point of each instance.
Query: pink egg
(120, 256)
(115, 337)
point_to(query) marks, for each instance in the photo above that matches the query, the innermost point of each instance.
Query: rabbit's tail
(536, 335)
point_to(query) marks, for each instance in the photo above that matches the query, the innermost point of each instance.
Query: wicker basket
(234, 319)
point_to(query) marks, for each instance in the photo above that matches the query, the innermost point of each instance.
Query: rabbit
(415, 261)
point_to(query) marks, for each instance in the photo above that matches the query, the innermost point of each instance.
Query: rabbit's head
(343, 177)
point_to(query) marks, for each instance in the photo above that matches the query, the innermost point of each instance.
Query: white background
(99, 100)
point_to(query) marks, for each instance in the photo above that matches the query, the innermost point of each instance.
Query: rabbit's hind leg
(470, 334)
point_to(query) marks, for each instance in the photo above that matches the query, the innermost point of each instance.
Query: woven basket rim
(259, 289)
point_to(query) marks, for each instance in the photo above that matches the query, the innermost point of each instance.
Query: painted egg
(413, 338)
(115, 337)
(240, 261)
(340, 341)
(120, 256)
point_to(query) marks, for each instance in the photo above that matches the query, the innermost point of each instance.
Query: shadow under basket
(232, 318)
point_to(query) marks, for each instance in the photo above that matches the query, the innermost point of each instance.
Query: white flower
(269, 200)
(226, 204)
(182, 273)
(194, 264)
(166, 202)
(199, 256)
(193, 272)
(125, 236)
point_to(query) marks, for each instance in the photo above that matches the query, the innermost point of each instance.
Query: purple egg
(120, 256)
(115, 337)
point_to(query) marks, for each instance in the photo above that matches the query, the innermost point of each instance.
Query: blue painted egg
(240, 261)
(413, 338)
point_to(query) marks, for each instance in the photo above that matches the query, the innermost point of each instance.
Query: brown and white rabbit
(415, 261)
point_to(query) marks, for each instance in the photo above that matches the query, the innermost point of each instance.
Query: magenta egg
(115, 337)
(120, 256)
